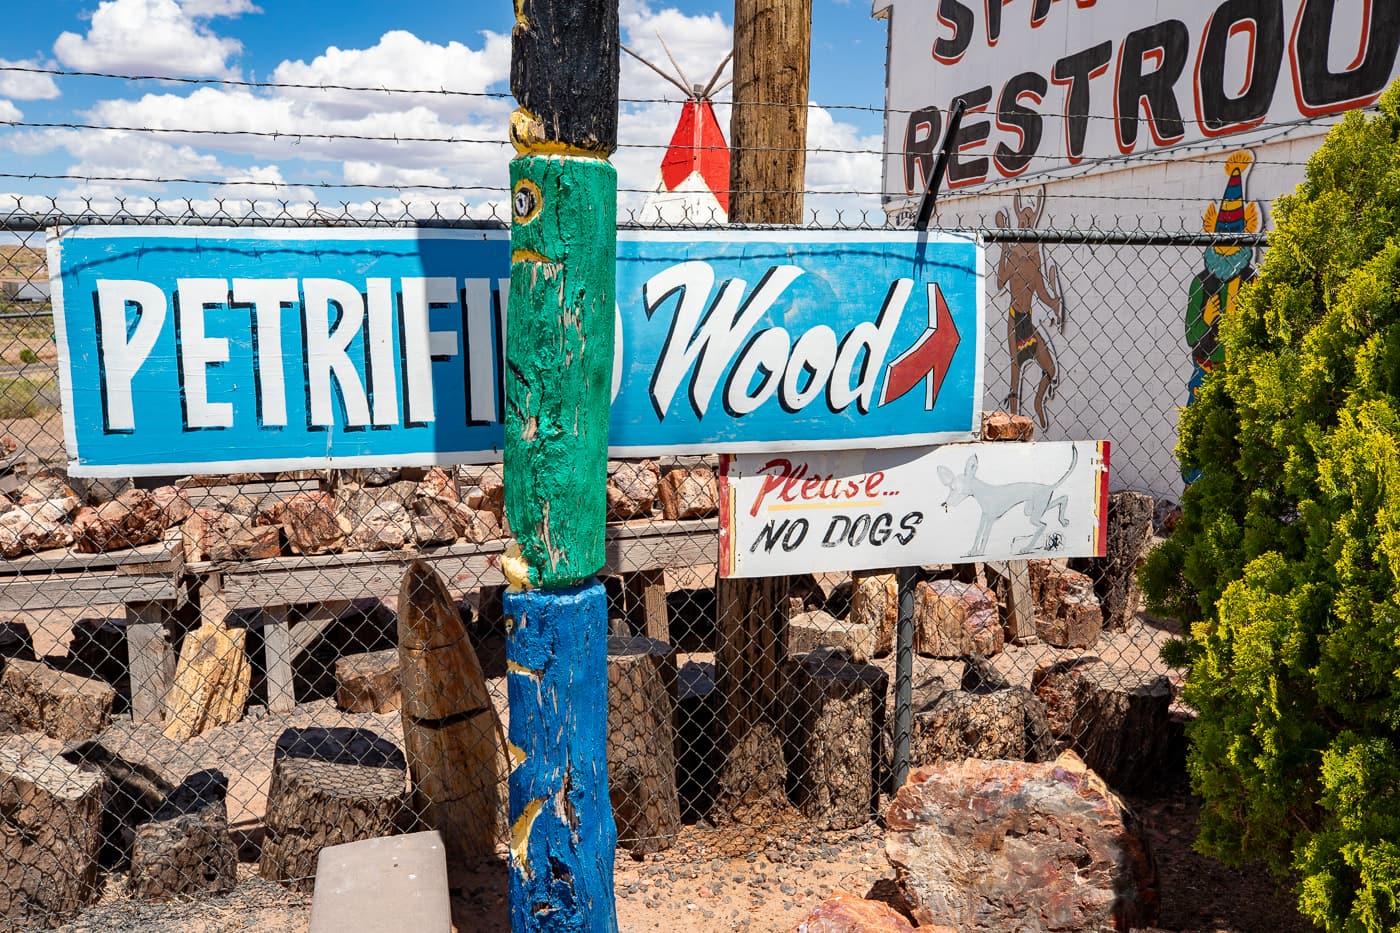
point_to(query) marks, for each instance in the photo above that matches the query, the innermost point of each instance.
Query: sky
(461, 46)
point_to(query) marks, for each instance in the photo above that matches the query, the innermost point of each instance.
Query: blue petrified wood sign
(199, 350)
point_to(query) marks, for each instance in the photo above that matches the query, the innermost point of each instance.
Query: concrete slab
(384, 885)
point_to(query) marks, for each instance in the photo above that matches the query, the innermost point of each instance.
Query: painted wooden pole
(559, 352)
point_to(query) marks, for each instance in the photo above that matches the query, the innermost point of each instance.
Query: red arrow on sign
(928, 359)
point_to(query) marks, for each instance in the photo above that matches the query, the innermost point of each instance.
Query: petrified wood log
(329, 786)
(64, 706)
(1006, 845)
(456, 751)
(1115, 717)
(212, 680)
(312, 524)
(835, 718)
(369, 682)
(185, 847)
(1115, 574)
(1070, 615)
(690, 493)
(641, 743)
(50, 835)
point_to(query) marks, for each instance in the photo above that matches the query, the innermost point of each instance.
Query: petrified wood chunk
(1007, 845)
(816, 628)
(641, 743)
(1115, 717)
(835, 718)
(36, 526)
(368, 682)
(329, 786)
(1008, 723)
(131, 519)
(312, 524)
(1070, 615)
(64, 706)
(953, 619)
(185, 847)
(632, 489)
(875, 604)
(212, 680)
(50, 835)
(843, 912)
(688, 493)
(212, 534)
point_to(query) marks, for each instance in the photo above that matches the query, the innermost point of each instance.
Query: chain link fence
(208, 678)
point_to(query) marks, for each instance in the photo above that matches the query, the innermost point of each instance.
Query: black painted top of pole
(563, 75)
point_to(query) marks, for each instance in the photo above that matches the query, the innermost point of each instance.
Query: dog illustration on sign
(1036, 500)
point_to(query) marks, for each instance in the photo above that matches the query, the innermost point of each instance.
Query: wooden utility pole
(768, 139)
(559, 354)
(768, 124)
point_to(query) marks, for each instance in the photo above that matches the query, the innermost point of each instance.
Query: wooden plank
(277, 656)
(159, 557)
(329, 577)
(32, 593)
(150, 658)
(645, 604)
(314, 620)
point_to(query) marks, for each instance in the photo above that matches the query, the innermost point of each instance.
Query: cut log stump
(329, 786)
(456, 751)
(50, 836)
(185, 848)
(1115, 717)
(368, 682)
(641, 743)
(835, 720)
(61, 705)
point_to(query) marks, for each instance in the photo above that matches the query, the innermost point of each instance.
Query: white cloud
(8, 111)
(150, 37)
(207, 9)
(402, 60)
(22, 85)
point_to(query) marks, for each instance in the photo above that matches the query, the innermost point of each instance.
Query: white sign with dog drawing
(806, 512)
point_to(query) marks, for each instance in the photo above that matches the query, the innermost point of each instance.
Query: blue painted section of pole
(562, 833)
(903, 676)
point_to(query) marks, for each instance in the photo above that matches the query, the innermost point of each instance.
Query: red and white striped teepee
(692, 186)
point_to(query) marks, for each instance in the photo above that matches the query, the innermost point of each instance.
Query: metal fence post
(903, 675)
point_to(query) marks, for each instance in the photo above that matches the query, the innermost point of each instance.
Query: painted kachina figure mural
(1216, 288)
(1023, 270)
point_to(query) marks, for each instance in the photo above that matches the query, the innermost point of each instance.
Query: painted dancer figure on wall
(1216, 288)
(1023, 269)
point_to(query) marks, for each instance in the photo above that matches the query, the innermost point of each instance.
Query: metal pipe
(903, 675)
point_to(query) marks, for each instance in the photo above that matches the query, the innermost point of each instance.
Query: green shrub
(1286, 563)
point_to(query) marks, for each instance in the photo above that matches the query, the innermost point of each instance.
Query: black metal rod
(940, 168)
(903, 676)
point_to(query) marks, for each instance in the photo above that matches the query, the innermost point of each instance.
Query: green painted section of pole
(559, 362)
(559, 354)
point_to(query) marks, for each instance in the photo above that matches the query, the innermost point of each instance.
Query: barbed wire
(505, 191)
(295, 135)
(506, 95)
